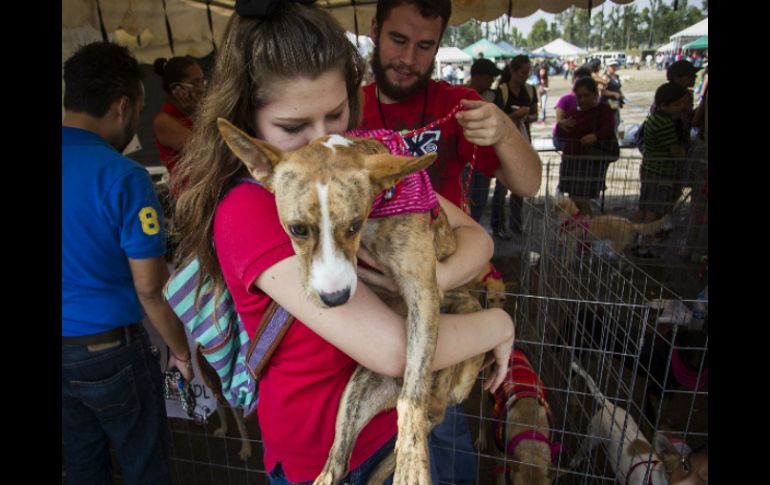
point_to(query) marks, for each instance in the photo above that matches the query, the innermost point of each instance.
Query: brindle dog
(324, 193)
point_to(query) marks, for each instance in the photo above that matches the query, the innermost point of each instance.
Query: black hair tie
(261, 8)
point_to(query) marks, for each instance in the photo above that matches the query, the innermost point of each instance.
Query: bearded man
(407, 35)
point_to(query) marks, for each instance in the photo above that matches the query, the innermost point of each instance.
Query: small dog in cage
(620, 231)
(633, 459)
(521, 413)
(213, 382)
(491, 281)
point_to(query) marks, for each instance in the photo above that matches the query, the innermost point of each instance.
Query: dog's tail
(591, 384)
(652, 228)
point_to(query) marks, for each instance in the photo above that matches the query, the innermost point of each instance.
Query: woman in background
(184, 84)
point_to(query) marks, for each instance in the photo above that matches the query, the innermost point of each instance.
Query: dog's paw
(245, 452)
(220, 432)
(481, 442)
(405, 475)
(412, 467)
(325, 478)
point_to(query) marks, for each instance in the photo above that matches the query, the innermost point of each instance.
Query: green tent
(490, 50)
(702, 43)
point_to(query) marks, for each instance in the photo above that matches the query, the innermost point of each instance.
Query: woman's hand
(184, 366)
(589, 139)
(502, 354)
(567, 123)
(375, 278)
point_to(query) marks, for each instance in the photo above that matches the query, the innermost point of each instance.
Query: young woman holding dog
(287, 74)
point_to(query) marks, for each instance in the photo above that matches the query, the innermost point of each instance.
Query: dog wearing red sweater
(521, 426)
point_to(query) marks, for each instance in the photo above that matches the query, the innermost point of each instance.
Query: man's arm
(149, 276)
(484, 124)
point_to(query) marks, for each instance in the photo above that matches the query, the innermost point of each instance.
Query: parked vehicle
(607, 56)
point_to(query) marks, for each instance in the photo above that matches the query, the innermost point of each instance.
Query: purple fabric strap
(272, 329)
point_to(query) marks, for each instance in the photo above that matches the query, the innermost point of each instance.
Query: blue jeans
(114, 395)
(479, 193)
(516, 203)
(452, 455)
(355, 477)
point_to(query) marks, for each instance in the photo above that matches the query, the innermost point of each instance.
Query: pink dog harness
(492, 273)
(690, 380)
(414, 193)
(583, 222)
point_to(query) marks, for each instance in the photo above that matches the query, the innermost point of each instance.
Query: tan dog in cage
(491, 282)
(631, 456)
(521, 427)
(331, 183)
(620, 231)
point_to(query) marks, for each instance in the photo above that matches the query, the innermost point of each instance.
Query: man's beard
(128, 135)
(396, 92)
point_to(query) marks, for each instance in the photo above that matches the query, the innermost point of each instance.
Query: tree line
(618, 27)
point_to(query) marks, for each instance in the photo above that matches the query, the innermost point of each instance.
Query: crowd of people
(267, 82)
(586, 132)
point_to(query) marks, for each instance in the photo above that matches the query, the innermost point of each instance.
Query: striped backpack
(221, 337)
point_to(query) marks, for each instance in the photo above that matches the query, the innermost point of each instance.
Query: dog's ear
(663, 446)
(259, 156)
(367, 146)
(638, 447)
(670, 454)
(385, 169)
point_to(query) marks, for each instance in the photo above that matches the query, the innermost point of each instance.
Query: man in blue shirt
(113, 272)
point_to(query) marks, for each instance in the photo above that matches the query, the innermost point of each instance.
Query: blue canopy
(509, 50)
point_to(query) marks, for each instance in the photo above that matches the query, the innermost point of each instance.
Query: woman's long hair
(295, 41)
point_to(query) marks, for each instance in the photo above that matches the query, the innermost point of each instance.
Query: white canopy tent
(670, 47)
(690, 34)
(450, 55)
(561, 48)
(364, 43)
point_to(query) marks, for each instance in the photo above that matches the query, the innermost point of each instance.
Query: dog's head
(324, 193)
(565, 207)
(681, 469)
(495, 292)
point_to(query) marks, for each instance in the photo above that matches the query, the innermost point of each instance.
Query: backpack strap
(504, 93)
(274, 325)
(530, 92)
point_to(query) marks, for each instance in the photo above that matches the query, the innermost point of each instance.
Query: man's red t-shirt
(304, 379)
(454, 151)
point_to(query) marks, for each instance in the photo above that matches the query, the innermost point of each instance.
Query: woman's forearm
(474, 249)
(461, 337)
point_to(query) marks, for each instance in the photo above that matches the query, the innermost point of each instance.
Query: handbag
(222, 339)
